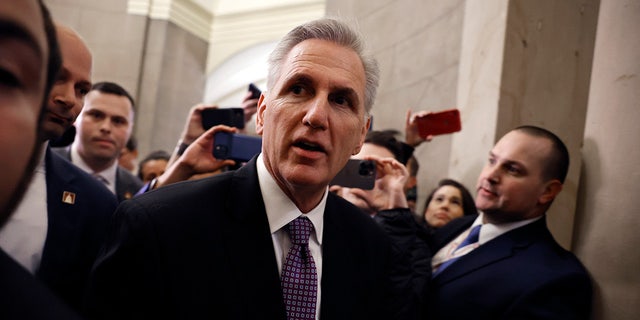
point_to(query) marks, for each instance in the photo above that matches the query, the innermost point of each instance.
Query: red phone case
(442, 122)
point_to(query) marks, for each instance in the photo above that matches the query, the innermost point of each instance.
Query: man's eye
(119, 121)
(513, 170)
(341, 101)
(8, 79)
(297, 89)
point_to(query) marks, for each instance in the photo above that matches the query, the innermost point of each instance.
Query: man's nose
(317, 116)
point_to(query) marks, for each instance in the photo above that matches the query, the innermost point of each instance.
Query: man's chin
(52, 130)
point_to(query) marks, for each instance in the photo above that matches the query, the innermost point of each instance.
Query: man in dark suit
(57, 229)
(515, 270)
(218, 247)
(30, 47)
(102, 130)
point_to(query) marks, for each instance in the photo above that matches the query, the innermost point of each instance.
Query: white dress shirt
(280, 211)
(24, 234)
(108, 174)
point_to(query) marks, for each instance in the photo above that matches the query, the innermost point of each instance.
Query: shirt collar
(490, 231)
(280, 209)
(108, 174)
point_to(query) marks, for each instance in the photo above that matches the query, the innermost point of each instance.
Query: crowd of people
(190, 236)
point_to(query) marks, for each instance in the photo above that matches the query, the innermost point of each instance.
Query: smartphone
(357, 174)
(255, 92)
(232, 117)
(237, 147)
(435, 123)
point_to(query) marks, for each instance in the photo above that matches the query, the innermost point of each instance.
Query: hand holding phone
(356, 174)
(435, 123)
(237, 147)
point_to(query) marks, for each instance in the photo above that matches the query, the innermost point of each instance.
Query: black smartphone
(357, 174)
(255, 91)
(237, 147)
(232, 117)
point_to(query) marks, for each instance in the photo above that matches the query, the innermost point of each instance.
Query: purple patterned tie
(299, 278)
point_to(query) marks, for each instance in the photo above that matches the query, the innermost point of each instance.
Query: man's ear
(363, 135)
(260, 114)
(551, 190)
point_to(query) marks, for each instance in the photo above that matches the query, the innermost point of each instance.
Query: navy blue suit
(23, 297)
(75, 231)
(203, 250)
(127, 185)
(522, 274)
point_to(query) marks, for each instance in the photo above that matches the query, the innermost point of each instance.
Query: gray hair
(337, 32)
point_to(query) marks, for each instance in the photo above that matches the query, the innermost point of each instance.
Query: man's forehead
(521, 147)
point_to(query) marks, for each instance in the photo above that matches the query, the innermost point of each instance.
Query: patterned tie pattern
(470, 239)
(299, 278)
(100, 178)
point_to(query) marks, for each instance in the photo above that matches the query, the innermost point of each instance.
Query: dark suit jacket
(522, 274)
(127, 185)
(75, 231)
(22, 297)
(203, 250)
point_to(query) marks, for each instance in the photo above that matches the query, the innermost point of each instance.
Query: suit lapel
(63, 218)
(250, 248)
(498, 249)
(332, 260)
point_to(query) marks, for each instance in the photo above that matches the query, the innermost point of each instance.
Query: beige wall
(160, 64)
(502, 63)
(570, 66)
(417, 44)
(607, 235)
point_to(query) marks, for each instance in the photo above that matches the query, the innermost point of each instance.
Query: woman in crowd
(449, 200)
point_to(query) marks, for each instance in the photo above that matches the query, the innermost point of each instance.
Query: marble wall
(417, 44)
(161, 64)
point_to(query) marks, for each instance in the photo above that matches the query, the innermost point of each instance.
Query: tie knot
(299, 230)
(100, 178)
(472, 237)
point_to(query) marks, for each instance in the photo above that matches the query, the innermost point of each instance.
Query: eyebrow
(11, 30)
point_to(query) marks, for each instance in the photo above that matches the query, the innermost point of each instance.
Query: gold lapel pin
(68, 197)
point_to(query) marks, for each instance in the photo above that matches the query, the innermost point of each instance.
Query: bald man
(58, 227)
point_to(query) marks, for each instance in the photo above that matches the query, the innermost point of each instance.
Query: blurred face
(23, 66)
(104, 128)
(152, 169)
(128, 159)
(313, 119)
(368, 149)
(445, 206)
(73, 83)
(510, 186)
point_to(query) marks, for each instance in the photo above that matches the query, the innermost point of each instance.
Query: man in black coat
(515, 269)
(216, 247)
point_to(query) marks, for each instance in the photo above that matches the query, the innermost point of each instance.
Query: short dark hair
(113, 88)
(155, 155)
(132, 143)
(557, 164)
(387, 140)
(468, 203)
